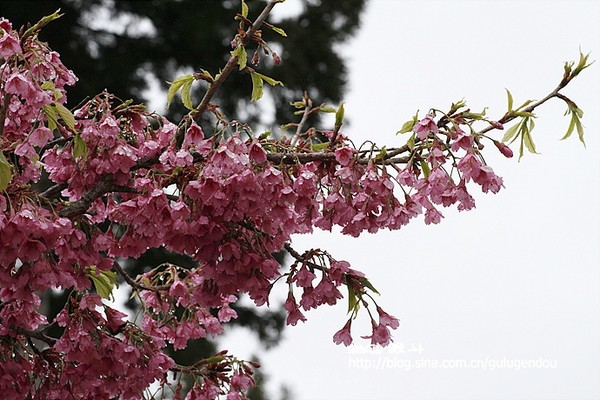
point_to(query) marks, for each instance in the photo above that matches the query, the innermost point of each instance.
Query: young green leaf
(339, 116)
(257, 86)
(409, 125)
(327, 109)
(244, 9)
(582, 64)
(66, 115)
(104, 281)
(411, 142)
(368, 284)
(242, 56)
(579, 127)
(528, 102)
(319, 146)
(511, 133)
(352, 300)
(5, 172)
(425, 168)
(575, 122)
(50, 86)
(51, 116)
(270, 81)
(176, 85)
(279, 30)
(79, 147)
(510, 100)
(186, 94)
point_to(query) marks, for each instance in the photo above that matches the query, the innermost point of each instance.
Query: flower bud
(504, 149)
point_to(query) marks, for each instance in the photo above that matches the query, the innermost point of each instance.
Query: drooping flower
(424, 127)
(343, 335)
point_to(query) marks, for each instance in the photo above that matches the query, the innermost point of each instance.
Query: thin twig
(135, 284)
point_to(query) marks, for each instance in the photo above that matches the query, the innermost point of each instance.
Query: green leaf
(529, 142)
(66, 115)
(339, 116)
(579, 129)
(425, 168)
(264, 135)
(511, 133)
(319, 146)
(575, 122)
(409, 125)
(510, 100)
(257, 86)
(570, 128)
(475, 116)
(176, 85)
(365, 282)
(524, 114)
(242, 56)
(582, 64)
(244, 9)
(79, 147)
(327, 109)
(5, 172)
(50, 86)
(528, 102)
(382, 154)
(270, 81)
(104, 281)
(41, 23)
(279, 30)
(51, 116)
(186, 95)
(352, 300)
(411, 142)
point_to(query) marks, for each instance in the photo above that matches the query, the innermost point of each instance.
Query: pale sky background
(518, 278)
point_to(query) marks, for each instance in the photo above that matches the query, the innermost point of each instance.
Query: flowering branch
(229, 201)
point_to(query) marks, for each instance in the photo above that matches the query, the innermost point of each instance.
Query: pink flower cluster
(122, 185)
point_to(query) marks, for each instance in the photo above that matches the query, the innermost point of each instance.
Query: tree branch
(229, 67)
(3, 109)
(39, 335)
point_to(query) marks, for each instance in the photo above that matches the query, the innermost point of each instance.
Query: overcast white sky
(516, 279)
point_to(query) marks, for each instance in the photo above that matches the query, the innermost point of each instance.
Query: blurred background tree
(133, 48)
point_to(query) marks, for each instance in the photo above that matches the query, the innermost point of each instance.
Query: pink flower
(304, 277)
(424, 127)
(194, 135)
(226, 313)
(114, 319)
(40, 136)
(294, 314)
(433, 216)
(344, 155)
(488, 180)
(469, 166)
(380, 335)
(343, 335)
(9, 45)
(19, 84)
(257, 153)
(386, 319)
(462, 140)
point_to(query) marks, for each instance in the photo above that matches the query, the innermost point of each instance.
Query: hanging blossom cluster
(121, 180)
